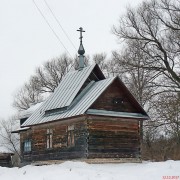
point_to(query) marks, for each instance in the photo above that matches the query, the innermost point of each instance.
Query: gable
(117, 98)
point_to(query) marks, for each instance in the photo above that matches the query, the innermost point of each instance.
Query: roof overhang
(117, 114)
(21, 129)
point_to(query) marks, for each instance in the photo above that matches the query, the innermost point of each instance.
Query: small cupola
(81, 51)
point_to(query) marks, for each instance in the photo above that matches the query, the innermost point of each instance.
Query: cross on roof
(81, 30)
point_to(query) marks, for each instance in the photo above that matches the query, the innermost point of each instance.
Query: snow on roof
(27, 113)
(20, 129)
(4, 150)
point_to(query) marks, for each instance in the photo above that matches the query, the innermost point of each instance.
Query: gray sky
(26, 41)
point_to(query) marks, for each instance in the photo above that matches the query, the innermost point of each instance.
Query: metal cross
(81, 30)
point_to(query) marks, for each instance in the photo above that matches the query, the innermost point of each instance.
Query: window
(27, 146)
(71, 142)
(49, 138)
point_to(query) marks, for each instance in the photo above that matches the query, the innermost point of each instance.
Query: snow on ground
(83, 171)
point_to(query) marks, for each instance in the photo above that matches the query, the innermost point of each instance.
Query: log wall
(5, 160)
(60, 148)
(113, 137)
(95, 137)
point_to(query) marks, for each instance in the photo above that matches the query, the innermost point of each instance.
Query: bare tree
(27, 96)
(45, 80)
(101, 60)
(167, 108)
(154, 27)
(149, 63)
(10, 141)
(140, 81)
(107, 65)
(51, 73)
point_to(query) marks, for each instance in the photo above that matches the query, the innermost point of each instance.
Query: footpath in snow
(82, 171)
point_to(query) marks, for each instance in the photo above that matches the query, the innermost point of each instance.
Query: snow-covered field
(82, 171)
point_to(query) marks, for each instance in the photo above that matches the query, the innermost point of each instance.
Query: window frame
(27, 145)
(70, 136)
(49, 138)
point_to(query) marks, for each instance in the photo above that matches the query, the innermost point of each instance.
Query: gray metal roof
(68, 89)
(117, 114)
(88, 98)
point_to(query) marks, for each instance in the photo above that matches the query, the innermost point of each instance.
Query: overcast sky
(26, 41)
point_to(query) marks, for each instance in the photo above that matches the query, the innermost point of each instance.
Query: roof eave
(116, 114)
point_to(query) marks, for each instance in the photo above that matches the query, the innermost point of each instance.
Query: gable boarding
(116, 98)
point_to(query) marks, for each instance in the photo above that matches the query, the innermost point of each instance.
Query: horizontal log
(121, 129)
(114, 146)
(113, 120)
(112, 150)
(111, 141)
(57, 155)
(112, 133)
(113, 125)
(102, 138)
(112, 155)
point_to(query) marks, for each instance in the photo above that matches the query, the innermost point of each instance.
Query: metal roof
(117, 114)
(65, 102)
(68, 89)
(88, 98)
